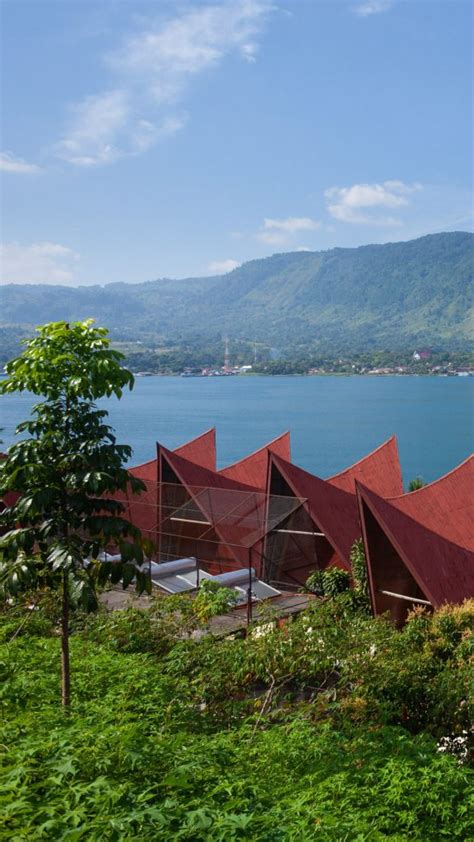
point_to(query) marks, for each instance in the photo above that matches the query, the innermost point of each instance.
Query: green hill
(393, 295)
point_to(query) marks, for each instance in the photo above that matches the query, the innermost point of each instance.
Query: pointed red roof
(332, 510)
(442, 569)
(201, 450)
(252, 469)
(194, 475)
(235, 511)
(446, 505)
(379, 470)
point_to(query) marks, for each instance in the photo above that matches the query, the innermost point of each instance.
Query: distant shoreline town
(420, 364)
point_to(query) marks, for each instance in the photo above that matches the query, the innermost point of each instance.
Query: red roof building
(204, 514)
(253, 469)
(446, 505)
(380, 470)
(323, 535)
(201, 450)
(142, 509)
(316, 536)
(420, 546)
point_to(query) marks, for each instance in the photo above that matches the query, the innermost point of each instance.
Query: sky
(173, 139)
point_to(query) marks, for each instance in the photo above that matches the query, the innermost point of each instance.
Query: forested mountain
(392, 295)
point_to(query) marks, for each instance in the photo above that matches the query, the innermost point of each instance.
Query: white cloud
(96, 123)
(221, 267)
(39, 263)
(280, 231)
(166, 56)
(373, 7)
(356, 204)
(106, 127)
(8, 163)
(153, 70)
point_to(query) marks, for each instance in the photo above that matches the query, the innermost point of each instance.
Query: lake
(333, 420)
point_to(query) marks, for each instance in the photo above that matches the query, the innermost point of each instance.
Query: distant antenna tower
(254, 353)
(226, 352)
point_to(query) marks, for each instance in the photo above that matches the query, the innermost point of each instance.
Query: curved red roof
(198, 476)
(379, 470)
(446, 505)
(252, 469)
(442, 569)
(332, 510)
(201, 450)
(234, 513)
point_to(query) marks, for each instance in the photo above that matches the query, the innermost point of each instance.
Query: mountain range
(394, 295)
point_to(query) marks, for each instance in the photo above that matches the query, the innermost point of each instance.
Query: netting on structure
(226, 529)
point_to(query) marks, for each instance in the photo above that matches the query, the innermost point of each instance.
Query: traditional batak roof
(253, 469)
(332, 510)
(230, 510)
(235, 512)
(142, 509)
(405, 558)
(379, 470)
(194, 475)
(446, 505)
(201, 450)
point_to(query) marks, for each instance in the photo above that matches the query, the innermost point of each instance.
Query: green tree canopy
(66, 471)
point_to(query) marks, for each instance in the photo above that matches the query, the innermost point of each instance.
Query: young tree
(66, 472)
(415, 484)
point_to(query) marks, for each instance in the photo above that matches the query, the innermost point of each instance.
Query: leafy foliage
(415, 484)
(68, 464)
(298, 733)
(66, 471)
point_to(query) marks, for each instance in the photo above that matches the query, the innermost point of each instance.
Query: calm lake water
(333, 420)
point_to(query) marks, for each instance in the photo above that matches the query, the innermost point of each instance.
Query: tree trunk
(65, 672)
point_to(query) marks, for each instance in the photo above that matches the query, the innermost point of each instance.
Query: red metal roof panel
(446, 505)
(252, 469)
(443, 569)
(379, 470)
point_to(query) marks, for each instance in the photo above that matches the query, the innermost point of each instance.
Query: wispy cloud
(153, 70)
(106, 127)
(373, 7)
(360, 204)
(221, 267)
(39, 263)
(281, 231)
(9, 163)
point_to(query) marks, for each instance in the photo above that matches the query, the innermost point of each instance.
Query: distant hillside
(393, 295)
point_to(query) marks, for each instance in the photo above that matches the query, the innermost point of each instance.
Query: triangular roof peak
(198, 476)
(201, 450)
(445, 505)
(252, 469)
(379, 470)
(443, 569)
(332, 509)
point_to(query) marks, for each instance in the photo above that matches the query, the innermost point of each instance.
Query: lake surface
(333, 420)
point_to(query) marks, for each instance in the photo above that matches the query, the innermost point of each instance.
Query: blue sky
(169, 139)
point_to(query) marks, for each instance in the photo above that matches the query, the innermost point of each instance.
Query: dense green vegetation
(326, 729)
(391, 296)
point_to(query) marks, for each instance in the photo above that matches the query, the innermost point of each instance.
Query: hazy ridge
(391, 295)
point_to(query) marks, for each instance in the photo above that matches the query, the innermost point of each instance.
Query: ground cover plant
(335, 727)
